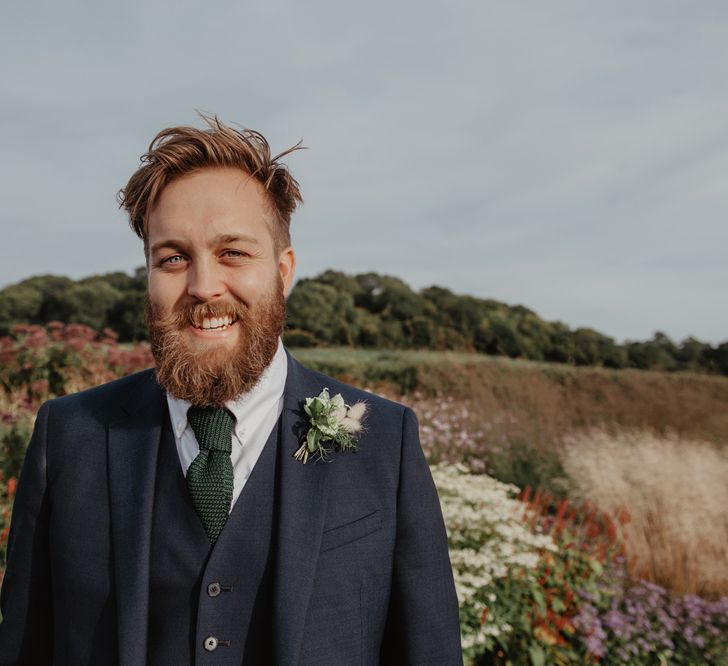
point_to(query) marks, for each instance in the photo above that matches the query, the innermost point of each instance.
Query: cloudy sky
(568, 156)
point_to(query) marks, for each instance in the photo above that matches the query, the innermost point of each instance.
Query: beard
(210, 375)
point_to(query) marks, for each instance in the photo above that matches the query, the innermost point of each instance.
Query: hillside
(540, 401)
(370, 311)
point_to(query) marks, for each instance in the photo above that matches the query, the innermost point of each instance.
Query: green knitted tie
(210, 476)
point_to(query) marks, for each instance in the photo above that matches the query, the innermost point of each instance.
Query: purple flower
(645, 619)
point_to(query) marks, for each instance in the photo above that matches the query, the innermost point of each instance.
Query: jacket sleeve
(423, 621)
(26, 631)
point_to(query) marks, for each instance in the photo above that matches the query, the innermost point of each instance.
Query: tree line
(371, 311)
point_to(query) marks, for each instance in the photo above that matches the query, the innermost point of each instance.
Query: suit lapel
(302, 509)
(133, 447)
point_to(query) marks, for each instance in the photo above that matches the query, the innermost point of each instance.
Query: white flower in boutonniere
(332, 420)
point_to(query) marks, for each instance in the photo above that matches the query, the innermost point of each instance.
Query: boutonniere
(332, 420)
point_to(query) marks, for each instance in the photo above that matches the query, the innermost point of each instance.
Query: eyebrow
(218, 240)
(233, 238)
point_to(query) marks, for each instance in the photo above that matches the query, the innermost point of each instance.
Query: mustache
(196, 313)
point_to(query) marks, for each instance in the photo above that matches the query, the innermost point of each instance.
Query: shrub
(15, 431)
(38, 361)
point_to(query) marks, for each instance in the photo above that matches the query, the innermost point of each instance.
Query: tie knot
(213, 427)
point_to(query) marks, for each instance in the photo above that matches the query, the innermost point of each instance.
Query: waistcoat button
(210, 643)
(213, 589)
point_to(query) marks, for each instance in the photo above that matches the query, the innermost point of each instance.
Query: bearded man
(184, 514)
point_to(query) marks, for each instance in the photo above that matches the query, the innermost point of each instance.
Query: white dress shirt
(256, 414)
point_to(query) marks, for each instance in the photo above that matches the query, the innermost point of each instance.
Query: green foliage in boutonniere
(332, 420)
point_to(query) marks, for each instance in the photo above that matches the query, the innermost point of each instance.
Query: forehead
(211, 202)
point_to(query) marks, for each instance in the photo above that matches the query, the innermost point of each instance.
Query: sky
(566, 156)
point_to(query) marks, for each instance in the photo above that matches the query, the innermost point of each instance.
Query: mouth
(214, 324)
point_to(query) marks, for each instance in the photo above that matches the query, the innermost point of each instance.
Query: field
(585, 507)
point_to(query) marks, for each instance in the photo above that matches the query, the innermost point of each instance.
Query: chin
(200, 346)
(210, 354)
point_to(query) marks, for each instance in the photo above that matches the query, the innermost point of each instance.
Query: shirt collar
(268, 390)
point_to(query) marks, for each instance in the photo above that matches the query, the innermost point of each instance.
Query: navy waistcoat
(211, 604)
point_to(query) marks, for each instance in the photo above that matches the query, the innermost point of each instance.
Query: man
(169, 517)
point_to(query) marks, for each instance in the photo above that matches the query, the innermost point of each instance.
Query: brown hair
(177, 151)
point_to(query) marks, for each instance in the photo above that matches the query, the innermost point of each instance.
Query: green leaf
(338, 401)
(313, 437)
(596, 566)
(538, 596)
(316, 409)
(327, 430)
(538, 656)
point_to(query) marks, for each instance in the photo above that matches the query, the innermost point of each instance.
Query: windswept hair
(177, 151)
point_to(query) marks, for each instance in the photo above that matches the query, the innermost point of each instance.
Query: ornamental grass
(672, 495)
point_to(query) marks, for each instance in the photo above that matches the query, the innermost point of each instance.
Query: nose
(204, 283)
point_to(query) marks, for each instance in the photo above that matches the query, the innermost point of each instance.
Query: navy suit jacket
(361, 545)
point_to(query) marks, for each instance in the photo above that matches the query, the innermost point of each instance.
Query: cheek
(163, 291)
(253, 286)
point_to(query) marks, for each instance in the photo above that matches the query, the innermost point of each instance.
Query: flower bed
(550, 588)
(539, 581)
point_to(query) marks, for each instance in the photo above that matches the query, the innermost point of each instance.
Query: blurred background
(566, 156)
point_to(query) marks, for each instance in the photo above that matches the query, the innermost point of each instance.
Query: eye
(234, 254)
(174, 259)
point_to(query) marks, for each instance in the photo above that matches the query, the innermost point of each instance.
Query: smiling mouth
(215, 323)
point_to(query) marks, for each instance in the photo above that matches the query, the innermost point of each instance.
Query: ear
(287, 268)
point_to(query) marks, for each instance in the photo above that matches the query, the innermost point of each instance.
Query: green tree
(126, 317)
(717, 358)
(497, 335)
(656, 354)
(369, 327)
(322, 310)
(586, 346)
(118, 280)
(420, 332)
(692, 354)
(342, 282)
(88, 304)
(535, 335)
(561, 348)
(20, 303)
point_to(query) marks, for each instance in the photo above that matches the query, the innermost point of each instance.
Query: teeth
(216, 322)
